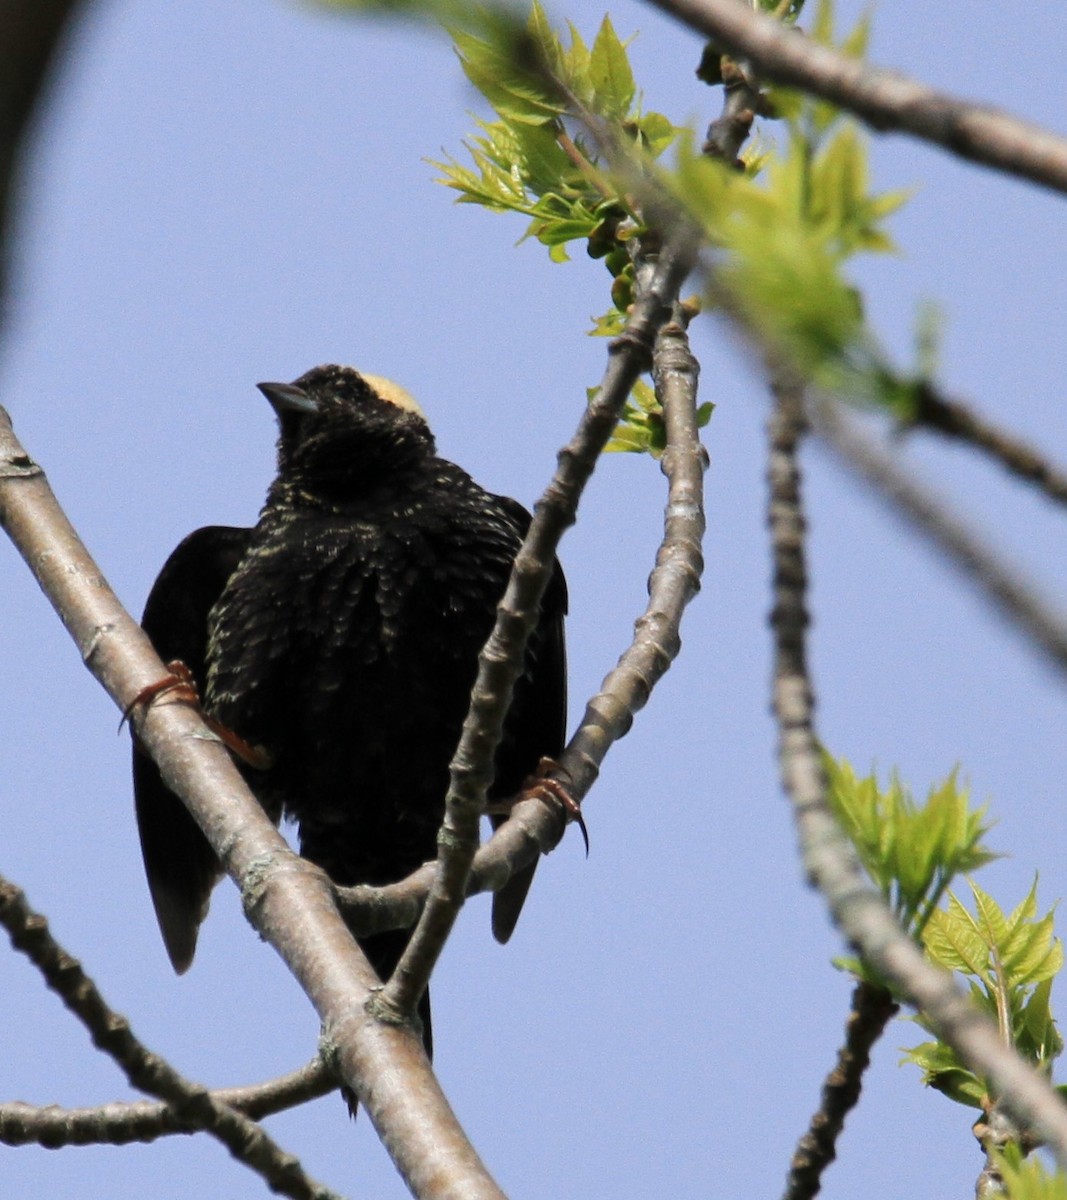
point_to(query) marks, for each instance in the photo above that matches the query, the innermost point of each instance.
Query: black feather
(341, 634)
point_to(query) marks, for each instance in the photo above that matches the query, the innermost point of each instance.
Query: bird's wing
(540, 726)
(180, 865)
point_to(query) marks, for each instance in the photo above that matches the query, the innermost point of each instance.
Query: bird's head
(341, 431)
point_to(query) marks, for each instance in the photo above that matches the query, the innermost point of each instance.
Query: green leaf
(822, 28)
(611, 324)
(943, 1071)
(1035, 1028)
(516, 93)
(855, 44)
(656, 132)
(1036, 957)
(610, 74)
(953, 940)
(993, 926)
(1030, 1178)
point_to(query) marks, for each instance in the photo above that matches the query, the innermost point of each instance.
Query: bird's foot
(181, 687)
(545, 785)
(178, 684)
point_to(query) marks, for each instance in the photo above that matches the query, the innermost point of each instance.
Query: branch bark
(124, 1121)
(288, 900)
(1002, 583)
(872, 1008)
(884, 99)
(111, 1033)
(829, 860)
(958, 422)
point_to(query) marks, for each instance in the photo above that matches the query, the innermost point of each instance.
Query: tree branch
(124, 1121)
(884, 99)
(501, 659)
(829, 859)
(289, 901)
(1002, 583)
(872, 1008)
(955, 420)
(675, 579)
(111, 1033)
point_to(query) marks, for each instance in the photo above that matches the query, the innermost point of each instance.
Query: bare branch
(958, 421)
(871, 1010)
(111, 1033)
(289, 901)
(884, 99)
(741, 101)
(829, 859)
(926, 513)
(675, 579)
(124, 1121)
(501, 660)
(515, 845)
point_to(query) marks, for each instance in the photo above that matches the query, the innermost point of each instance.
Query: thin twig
(192, 1103)
(729, 131)
(958, 421)
(124, 1121)
(289, 901)
(1004, 584)
(829, 859)
(515, 845)
(885, 100)
(871, 1010)
(501, 660)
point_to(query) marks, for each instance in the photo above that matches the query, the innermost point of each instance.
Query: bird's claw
(545, 785)
(181, 686)
(179, 683)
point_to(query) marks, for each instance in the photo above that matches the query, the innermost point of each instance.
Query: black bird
(340, 635)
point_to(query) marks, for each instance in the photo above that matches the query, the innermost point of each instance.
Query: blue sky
(224, 194)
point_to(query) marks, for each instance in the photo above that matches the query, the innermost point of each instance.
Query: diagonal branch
(111, 1033)
(124, 1121)
(829, 859)
(872, 1009)
(501, 659)
(884, 99)
(953, 419)
(289, 901)
(675, 579)
(961, 545)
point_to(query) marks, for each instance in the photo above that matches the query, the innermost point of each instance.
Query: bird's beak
(287, 397)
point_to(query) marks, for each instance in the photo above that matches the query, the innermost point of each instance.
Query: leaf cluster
(783, 231)
(533, 160)
(536, 159)
(911, 851)
(640, 429)
(1009, 962)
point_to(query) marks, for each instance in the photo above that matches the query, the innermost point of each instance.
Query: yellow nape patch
(394, 394)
